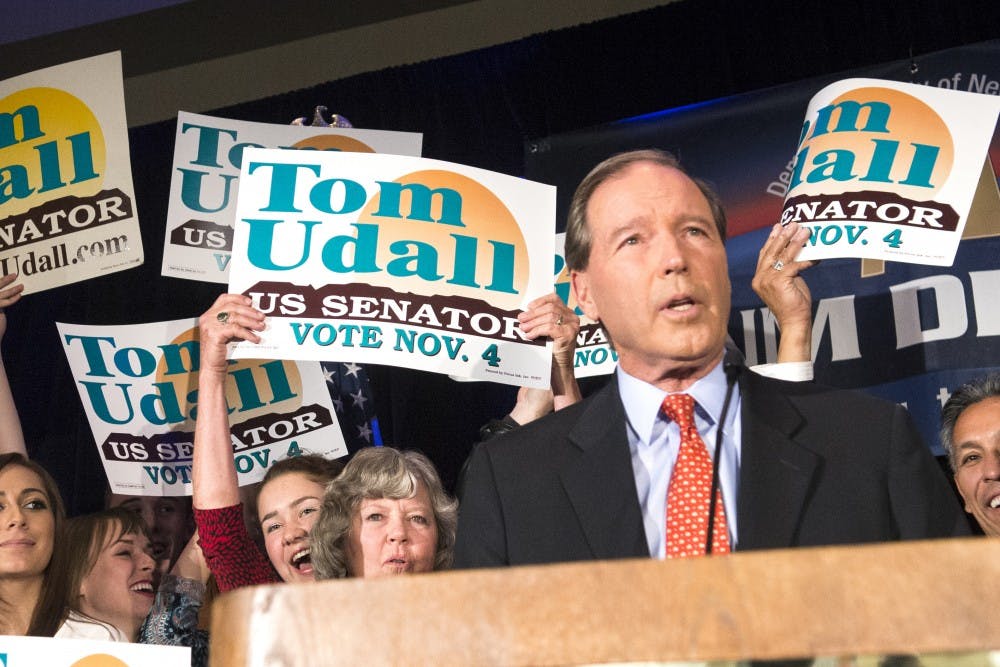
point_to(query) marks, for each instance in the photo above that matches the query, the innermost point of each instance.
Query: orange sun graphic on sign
(250, 387)
(469, 244)
(51, 146)
(875, 138)
(334, 142)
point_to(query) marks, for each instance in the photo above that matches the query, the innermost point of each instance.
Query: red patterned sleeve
(231, 554)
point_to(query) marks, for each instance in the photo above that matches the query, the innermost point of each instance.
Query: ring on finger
(778, 265)
(222, 317)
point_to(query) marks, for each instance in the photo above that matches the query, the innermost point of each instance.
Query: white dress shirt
(654, 441)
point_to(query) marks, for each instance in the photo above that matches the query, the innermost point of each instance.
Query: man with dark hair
(629, 471)
(970, 433)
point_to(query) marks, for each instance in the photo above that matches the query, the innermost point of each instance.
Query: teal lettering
(300, 334)
(262, 458)
(365, 250)
(99, 402)
(422, 264)
(421, 199)
(852, 235)
(244, 463)
(261, 240)
(847, 120)
(278, 379)
(281, 197)
(247, 389)
(503, 268)
(14, 183)
(191, 188)
(882, 159)
(83, 157)
(325, 334)
(31, 128)
(161, 407)
(924, 159)
(145, 362)
(92, 353)
(208, 144)
(466, 248)
(453, 346)
(836, 164)
(321, 196)
(371, 336)
(48, 161)
(405, 339)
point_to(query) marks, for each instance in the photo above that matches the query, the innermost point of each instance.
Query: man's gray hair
(964, 397)
(578, 239)
(378, 472)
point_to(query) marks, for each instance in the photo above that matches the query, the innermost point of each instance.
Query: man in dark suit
(799, 464)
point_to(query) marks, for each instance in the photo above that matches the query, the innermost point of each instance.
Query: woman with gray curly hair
(386, 513)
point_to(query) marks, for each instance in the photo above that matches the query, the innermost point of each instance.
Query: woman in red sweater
(290, 494)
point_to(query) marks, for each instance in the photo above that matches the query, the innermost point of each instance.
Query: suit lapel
(600, 482)
(775, 471)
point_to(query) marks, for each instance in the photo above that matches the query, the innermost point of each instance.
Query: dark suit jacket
(819, 466)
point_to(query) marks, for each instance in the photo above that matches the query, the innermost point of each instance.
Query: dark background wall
(482, 108)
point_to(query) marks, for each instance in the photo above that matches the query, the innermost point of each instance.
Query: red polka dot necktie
(690, 489)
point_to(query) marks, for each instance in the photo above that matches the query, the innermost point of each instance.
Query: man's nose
(671, 253)
(991, 465)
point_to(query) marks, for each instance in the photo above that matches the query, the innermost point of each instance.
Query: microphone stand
(732, 371)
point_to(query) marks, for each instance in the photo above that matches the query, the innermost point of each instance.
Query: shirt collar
(642, 400)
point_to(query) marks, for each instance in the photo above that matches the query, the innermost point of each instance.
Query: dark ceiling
(171, 33)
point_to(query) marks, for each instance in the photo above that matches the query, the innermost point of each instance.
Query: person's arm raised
(549, 316)
(11, 435)
(778, 281)
(231, 318)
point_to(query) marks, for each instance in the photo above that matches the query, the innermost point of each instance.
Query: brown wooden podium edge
(916, 597)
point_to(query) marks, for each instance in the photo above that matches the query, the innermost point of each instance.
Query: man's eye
(970, 458)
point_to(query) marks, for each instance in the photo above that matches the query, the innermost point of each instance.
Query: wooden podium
(903, 598)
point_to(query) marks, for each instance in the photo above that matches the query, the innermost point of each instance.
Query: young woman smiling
(290, 494)
(107, 572)
(31, 518)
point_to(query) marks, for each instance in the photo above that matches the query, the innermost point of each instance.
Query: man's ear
(581, 287)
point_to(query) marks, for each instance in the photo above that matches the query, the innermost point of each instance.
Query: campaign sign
(394, 260)
(888, 171)
(51, 652)
(208, 153)
(67, 207)
(594, 354)
(139, 387)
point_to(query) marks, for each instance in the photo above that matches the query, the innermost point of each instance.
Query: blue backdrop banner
(908, 333)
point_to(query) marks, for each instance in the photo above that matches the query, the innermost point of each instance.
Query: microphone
(732, 369)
